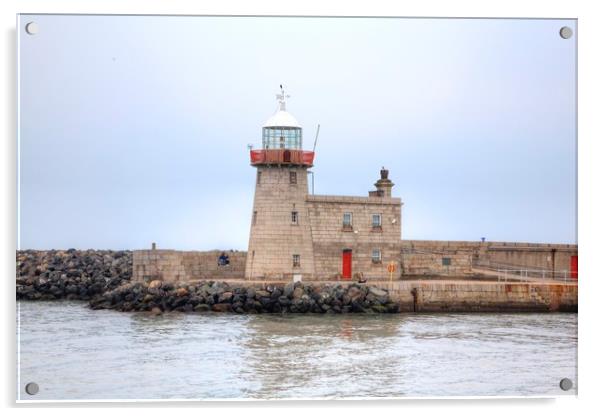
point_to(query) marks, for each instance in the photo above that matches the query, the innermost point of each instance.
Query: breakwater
(104, 278)
(70, 274)
(158, 296)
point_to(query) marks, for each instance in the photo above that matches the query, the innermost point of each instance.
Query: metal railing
(533, 275)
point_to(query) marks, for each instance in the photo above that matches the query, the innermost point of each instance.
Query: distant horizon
(143, 137)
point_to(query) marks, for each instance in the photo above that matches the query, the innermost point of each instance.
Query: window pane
(376, 220)
(376, 254)
(347, 218)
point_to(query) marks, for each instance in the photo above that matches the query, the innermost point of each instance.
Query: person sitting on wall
(223, 259)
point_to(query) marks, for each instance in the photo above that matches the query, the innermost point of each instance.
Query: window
(347, 220)
(293, 177)
(376, 256)
(295, 217)
(376, 220)
(254, 217)
(258, 176)
(446, 261)
(296, 260)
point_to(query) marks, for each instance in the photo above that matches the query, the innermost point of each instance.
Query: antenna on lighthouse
(316, 140)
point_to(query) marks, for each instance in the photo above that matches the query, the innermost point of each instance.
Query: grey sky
(135, 129)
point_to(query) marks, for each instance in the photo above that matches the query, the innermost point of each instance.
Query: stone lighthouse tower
(280, 242)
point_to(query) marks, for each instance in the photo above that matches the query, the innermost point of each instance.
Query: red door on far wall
(573, 267)
(346, 264)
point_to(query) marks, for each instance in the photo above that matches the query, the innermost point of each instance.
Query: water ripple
(73, 352)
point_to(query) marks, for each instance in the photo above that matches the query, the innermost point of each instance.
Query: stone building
(295, 234)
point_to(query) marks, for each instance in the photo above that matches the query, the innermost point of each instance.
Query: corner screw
(566, 384)
(566, 32)
(32, 388)
(31, 28)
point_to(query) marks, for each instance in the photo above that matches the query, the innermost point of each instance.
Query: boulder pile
(70, 274)
(158, 297)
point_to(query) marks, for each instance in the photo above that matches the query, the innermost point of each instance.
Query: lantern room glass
(282, 138)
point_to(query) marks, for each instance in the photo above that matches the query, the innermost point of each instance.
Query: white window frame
(380, 220)
(379, 258)
(350, 219)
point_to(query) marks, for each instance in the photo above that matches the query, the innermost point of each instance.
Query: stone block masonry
(280, 242)
(419, 256)
(179, 266)
(371, 247)
(466, 296)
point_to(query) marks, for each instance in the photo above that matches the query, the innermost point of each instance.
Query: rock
(288, 289)
(356, 294)
(379, 309)
(221, 307)
(379, 293)
(284, 301)
(298, 292)
(225, 297)
(262, 294)
(155, 284)
(181, 292)
(201, 307)
(156, 310)
(250, 293)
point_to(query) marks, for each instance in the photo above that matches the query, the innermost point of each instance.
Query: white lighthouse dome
(282, 130)
(282, 118)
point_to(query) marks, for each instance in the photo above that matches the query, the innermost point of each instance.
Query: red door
(573, 267)
(346, 264)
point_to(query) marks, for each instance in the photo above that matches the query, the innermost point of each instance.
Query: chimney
(383, 185)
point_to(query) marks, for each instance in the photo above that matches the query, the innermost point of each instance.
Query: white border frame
(589, 93)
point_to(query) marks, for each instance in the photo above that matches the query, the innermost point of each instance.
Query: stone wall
(446, 296)
(456, 263)
(536, 256)
(330, 238)
(176, 266)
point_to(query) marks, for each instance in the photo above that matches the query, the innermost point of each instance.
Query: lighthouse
(280, 240)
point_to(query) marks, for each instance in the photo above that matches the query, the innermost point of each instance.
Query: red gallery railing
(282, 157)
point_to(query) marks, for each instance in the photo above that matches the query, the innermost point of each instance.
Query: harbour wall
(415, 258)
(467, 296)
(179, 266)
(421, 257)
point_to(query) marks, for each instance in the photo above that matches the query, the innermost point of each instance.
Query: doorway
(347, 257)
(573, 267)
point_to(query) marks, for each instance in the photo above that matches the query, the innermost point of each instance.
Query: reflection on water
(73, 352)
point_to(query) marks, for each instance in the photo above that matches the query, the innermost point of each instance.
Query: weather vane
(282, 98)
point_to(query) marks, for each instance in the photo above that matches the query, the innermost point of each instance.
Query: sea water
(73, 352)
